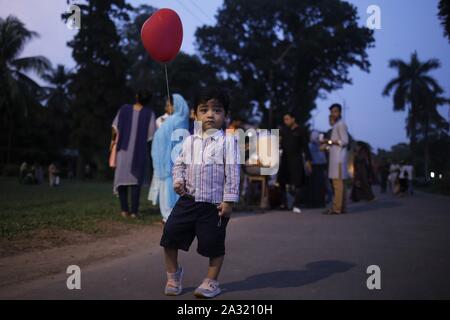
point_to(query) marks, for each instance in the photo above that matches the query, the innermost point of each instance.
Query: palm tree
(17, 89)
(411, 88)
(58, 106)
(58, 94)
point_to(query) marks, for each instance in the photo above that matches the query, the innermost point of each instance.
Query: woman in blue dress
(161, 190)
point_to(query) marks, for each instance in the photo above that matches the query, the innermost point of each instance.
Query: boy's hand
(179, 188)
(225, 209)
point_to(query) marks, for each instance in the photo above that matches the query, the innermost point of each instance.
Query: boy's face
(211, 114)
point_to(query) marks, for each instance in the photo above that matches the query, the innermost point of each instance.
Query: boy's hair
(143, 96)
(215, 93)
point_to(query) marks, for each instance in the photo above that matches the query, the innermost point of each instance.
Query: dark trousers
(315, 197)
(383, 184)
(403, 185)
(295, 191)
(123, 196)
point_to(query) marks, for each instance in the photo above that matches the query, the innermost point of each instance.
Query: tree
(411, 88)
(58, 105)
(18, 92)
(431, 124)
(444, 16)
(283, 55)
(397, 153)
(439, 146)
(99, 82)
(141, 69)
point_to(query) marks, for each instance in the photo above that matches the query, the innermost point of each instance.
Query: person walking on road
(337, 166)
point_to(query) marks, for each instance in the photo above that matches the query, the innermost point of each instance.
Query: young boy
(206, 176)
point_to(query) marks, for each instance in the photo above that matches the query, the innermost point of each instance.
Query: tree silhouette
(415, 90)
(58, 116)
(18, 92)
(282, 55)
(410, 87)
(444, 16)
(99, 81)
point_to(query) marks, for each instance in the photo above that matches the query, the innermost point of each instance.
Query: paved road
(280, 255)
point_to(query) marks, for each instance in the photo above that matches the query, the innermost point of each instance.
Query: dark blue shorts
(190, 219)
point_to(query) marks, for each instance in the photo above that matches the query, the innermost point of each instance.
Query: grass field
(88, 207)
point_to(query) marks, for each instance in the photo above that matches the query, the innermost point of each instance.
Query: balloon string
(167, 83)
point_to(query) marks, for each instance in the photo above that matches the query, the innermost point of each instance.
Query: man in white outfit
(337, 166)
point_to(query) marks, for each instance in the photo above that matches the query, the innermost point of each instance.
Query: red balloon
(162, 35)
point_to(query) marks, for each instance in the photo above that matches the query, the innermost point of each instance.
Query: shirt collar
(215, 136)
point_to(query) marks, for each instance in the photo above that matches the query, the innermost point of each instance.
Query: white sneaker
(173, 285)
(208, 289)
(296, 210)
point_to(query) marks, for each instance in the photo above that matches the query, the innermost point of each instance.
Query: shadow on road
(314, 272)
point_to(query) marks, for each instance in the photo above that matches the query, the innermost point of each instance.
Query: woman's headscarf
(162, 145)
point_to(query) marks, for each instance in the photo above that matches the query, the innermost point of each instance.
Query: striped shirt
(209, 167)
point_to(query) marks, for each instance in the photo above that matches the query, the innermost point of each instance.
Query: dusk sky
(407, 26)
